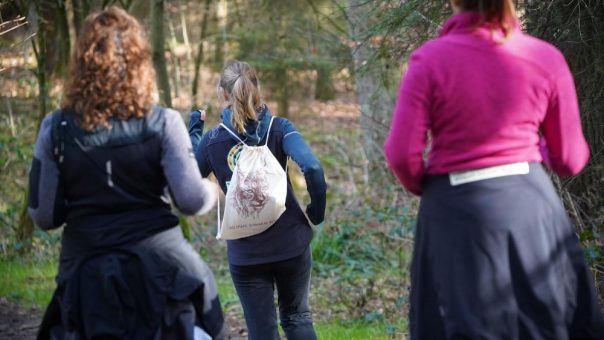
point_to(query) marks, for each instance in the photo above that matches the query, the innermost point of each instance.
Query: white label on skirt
(457, 178)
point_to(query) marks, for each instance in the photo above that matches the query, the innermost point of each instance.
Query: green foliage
(290, 39)
(31, 283)
(576, 27)
(363, 247)
(324, 88)
(358, 330)
(365, 253)
(15, 157)
(395, 28)
(361, 235)
(227, 293)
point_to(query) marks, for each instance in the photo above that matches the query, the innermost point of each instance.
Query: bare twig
(349, 171)
(3, 220)
(185, 32)
(329, 19)
(365, 166)
(172, 48)
(11, 120)
(18, 43)
(406, 239)
(9, 22)
(13, 28)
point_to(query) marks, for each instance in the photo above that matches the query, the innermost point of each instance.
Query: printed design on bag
(250, 194)
(233, 156)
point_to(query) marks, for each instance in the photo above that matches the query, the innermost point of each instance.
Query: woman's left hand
(202, 114)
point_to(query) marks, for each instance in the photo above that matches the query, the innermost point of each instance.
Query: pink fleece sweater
(486, 101)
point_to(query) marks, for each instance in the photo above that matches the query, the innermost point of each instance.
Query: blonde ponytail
(240, 82)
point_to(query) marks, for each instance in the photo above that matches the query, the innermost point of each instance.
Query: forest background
(332, 67)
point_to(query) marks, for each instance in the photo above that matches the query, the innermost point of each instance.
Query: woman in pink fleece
(495, 254)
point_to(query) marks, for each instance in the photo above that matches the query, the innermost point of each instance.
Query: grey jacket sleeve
(46, 204)
(191, 194)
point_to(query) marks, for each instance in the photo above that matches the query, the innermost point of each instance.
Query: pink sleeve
(406, 141)
(566, 149)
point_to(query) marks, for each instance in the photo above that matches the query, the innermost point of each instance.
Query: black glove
(315, 215)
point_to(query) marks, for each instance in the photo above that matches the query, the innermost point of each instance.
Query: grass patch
(226, 292)
(29, 283)
(357, 330)
(32, 283)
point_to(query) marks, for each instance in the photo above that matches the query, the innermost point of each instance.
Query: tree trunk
(64, 43)
(175, 60)
(199, 58)
(78, 14)
(324, 89)
(184, 29)
(221, 23)
(282, 87)
(237, 12)
(163, 80)
(25, 227)
(71, 24)
(159, 54)
(374, 97)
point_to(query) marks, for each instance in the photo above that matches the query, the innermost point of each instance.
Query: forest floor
(20, 317)
(370, 302)
(18, 322)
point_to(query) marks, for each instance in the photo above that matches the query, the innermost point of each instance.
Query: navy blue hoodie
(217, 152)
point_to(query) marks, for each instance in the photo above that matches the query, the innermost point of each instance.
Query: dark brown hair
(500, 12)
(111, 71)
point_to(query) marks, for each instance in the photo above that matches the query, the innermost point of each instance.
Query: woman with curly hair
(105, 166)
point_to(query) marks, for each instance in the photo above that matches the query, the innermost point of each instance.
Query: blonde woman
(101, 166)
(279, 256)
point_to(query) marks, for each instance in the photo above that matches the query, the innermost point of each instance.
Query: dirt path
(19, 323)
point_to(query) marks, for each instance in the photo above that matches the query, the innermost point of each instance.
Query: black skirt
(499, 259)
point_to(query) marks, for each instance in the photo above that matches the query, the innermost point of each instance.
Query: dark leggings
(255, 286)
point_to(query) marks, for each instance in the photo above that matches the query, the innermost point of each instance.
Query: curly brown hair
(112, 71)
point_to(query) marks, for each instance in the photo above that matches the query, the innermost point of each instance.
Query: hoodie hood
(254, 130)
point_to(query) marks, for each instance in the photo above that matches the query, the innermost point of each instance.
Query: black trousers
(255, 285)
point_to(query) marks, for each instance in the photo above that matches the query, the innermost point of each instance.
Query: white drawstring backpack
(256, 194)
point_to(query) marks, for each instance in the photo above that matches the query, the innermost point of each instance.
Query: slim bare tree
(159, 51)
(200, 54)
(25, 227)
(375, 98)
